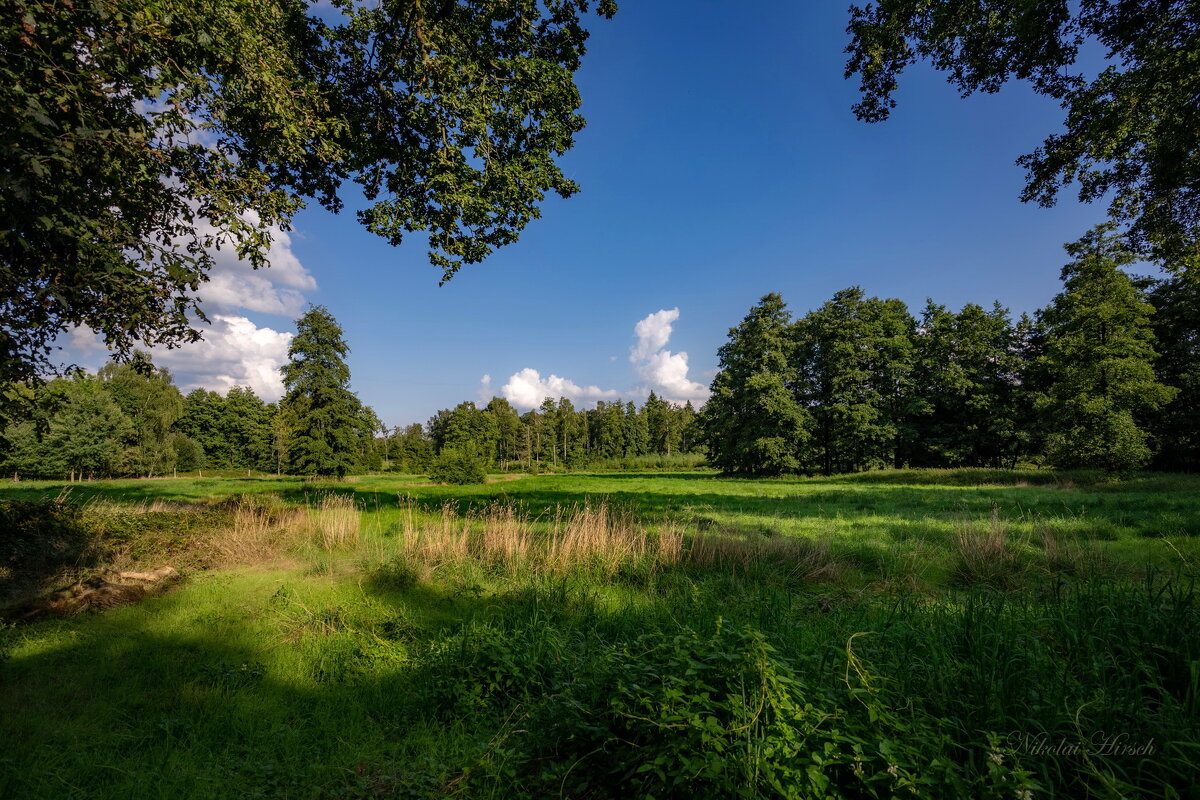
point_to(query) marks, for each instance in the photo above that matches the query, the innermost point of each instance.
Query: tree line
(130, 419)
(1107, 376)
(556, 435)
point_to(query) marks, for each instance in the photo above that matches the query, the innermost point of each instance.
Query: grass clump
(986, 555)
(335, 521)
(259, 529)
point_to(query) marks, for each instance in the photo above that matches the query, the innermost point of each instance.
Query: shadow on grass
(434, 691)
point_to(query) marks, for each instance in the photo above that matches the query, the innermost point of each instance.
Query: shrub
(459, 467)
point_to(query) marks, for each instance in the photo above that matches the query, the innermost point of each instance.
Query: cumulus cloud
(665, 373)
(662, 372)
(279, 289)
(234, 352)
(527, 389)
(652, 334)
(484, 392)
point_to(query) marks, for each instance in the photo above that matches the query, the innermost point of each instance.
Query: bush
(459, 467)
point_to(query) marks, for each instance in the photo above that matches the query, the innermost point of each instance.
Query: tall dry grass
(507, 537)
(260, 528)
(598, 538)
(985, 553)
(335, 521)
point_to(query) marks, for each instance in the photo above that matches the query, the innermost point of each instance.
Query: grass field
(893, 634)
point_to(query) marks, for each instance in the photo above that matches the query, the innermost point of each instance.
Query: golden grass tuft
(984, 554)
(507, 538)
(335, 521)
(595, 537)
(598, 536)
(444, 541)
(261, 527)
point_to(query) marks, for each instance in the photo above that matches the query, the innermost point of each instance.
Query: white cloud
(233, 283)
(83, 343)
(652, 334)
(278, 289)
(527, 389)
(664, 372)
(234, 352)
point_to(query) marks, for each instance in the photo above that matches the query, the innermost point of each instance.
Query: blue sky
(721, 161)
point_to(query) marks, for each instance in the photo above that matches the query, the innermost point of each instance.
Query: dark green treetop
(148, 397)
(964, 387)
(325, 416)
(1177, 331)
(852, 362)
(1099, 357)
(89, 431)
(752, 423)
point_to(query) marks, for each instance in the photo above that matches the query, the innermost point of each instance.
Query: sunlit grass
(388, 638)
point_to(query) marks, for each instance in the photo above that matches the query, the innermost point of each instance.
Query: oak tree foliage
(1129, 133)
(136, 137)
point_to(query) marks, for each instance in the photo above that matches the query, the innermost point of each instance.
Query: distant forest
(1107, 376)
(130, 420)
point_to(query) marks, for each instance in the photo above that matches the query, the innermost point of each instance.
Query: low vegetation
(978, 633)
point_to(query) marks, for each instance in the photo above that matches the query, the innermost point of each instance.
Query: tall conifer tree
(325, 415)
(1099, 356)
(752, 423)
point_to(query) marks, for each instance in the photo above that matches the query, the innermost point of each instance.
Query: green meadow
(941, 633)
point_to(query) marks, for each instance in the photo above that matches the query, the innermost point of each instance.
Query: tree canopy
(1130, 129)
(136, 137)
(752, 422)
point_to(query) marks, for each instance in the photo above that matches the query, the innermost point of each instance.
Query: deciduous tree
(135, 137)
(1130, 133)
